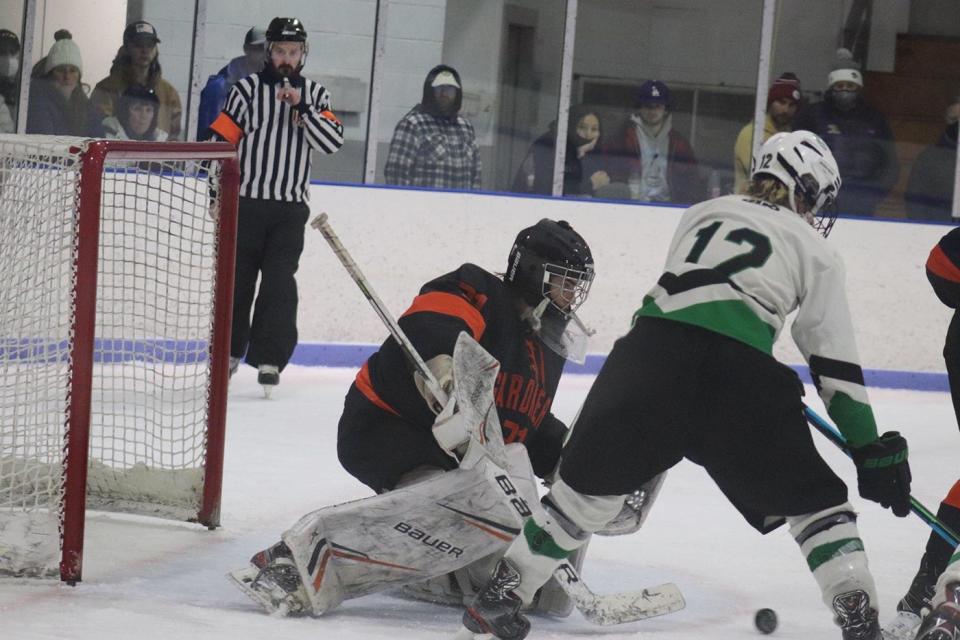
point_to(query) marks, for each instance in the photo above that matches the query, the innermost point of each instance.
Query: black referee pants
(269, 244)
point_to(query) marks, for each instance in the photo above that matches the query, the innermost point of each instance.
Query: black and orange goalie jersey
(478, 302)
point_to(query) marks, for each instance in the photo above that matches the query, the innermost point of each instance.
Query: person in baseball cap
(213, 97)
(138, 62)
(654, 160)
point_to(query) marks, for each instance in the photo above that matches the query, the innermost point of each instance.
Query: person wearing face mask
(433, 145)
(137, 62)
(857, 134)
(652, 157)
(929, 192)
(58, 99)
(583, 172)
(136, 117)
(10, 70)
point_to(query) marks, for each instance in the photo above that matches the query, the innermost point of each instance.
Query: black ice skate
(856, 617)
(496, 609)
(272, 580)
(921, 589)
(268, 376)
(943, 623)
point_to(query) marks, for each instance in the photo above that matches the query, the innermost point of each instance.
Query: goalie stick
(601, 609)
(834, 436)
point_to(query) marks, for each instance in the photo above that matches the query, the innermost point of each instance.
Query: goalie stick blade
(619, 608)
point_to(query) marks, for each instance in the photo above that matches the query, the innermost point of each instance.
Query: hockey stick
(320, 224)
(834, 436)
(606, 609)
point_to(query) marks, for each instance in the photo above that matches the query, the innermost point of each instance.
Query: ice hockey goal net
(116, 278)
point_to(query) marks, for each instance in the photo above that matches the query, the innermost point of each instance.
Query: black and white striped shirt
(275, 150)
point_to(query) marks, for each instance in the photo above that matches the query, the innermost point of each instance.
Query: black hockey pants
(269, 244)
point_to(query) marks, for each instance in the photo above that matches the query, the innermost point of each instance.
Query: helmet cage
(820, 202)
(565, 287)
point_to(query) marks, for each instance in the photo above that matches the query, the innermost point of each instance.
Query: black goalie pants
(670, 391)
(269, 244)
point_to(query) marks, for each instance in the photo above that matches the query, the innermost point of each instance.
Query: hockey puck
(765, 621)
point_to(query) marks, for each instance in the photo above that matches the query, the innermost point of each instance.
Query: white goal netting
(150, 371)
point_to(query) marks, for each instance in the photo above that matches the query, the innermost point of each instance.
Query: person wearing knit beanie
(58, 103)
(64, 53)
(783, 100)
(858, 135)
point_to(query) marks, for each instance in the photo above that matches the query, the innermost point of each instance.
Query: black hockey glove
(883, 472)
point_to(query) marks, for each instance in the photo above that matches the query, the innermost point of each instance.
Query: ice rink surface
(147, 579)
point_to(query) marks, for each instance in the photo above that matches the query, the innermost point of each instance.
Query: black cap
(256, 37)
(9, 41)
(141, 93)
(140, 30)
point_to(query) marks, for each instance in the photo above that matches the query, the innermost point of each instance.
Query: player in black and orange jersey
(526, 319)
(393, 433)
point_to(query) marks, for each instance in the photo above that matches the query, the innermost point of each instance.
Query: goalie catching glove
(449, 428)
(883, 472)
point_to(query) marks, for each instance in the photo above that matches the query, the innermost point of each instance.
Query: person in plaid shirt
(433, 146)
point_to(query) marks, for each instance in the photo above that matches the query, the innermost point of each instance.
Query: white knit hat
(62, 52)
(845, 69)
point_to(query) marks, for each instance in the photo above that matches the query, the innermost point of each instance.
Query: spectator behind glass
(214, 95)
(583, 169)
(858, 135)
(433, 145)
(137, 62)
(929, 193)
(654, 159)
(136, 116)
(10, 71)
(58, 102)
(783, 99)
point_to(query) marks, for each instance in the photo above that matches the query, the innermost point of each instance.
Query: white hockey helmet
(805, 165)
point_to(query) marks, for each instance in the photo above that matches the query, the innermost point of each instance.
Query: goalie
(438, 534)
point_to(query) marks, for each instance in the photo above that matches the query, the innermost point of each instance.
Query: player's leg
(273, 334)
(916, 603)
(619, 443)
(761, 453)
(249, 253)
(943, 621)
(379, 448)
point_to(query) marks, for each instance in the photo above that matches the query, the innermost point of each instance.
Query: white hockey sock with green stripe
(831, 545)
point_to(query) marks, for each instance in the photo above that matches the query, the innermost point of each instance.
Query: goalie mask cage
(116, 260)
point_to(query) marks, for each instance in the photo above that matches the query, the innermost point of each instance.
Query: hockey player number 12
(757, 256)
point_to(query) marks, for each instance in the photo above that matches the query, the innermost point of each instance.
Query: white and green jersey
(739, 266)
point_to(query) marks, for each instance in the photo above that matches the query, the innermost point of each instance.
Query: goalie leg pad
(831, 544)
(408, 535)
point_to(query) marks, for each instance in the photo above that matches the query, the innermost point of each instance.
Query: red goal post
(118, 262)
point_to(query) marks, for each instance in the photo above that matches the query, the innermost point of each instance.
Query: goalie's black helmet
(286, 30)
(550, 248)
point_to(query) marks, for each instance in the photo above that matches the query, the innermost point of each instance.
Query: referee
(275, 117)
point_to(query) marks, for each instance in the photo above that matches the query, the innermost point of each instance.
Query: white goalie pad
(411, 534)
(429, 528)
